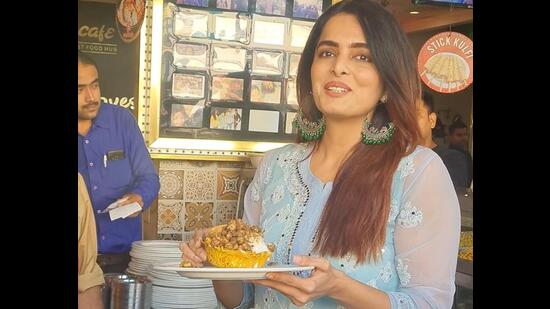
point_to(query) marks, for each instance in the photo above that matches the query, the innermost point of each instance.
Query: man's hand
(129, 199)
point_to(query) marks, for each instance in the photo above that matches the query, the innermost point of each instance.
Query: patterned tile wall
(197, 194)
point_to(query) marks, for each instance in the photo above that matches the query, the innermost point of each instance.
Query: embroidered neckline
(289, 162)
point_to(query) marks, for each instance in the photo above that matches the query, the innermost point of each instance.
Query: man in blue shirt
(458, 140)
(456, 163)
(115, 164)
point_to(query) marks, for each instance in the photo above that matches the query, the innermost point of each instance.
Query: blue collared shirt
(109, 177)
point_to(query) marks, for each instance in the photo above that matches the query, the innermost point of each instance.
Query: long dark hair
(355, 216)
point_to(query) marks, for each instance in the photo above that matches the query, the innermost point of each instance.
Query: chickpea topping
(236, 235)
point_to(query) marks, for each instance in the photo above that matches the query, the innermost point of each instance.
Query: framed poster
(265, 91)
(186, 116)
(225, 118)
(188, 86)
(190, 23)
(236, 5)
(232, 27)
(310, 9)
(268, 62)
(272, 7)
(228, 58)
(227, 89)
(190, 56)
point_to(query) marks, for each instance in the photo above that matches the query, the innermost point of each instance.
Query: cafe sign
(446, 61)
(116, 59)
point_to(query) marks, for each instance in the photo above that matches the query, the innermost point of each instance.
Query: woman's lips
(336, 89)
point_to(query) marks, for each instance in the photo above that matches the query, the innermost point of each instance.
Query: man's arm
(90, 276)
(146, 180)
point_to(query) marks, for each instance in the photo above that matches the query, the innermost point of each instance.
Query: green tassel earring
(373, 136)
(309, 130)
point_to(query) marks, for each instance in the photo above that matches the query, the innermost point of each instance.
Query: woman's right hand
(193, 250)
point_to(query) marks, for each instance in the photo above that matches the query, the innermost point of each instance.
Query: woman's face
(345, 82)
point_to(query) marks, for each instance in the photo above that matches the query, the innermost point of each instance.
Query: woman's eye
(363, 58)
(326, 53)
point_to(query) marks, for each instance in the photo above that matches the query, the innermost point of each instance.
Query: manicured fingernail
(297, 259)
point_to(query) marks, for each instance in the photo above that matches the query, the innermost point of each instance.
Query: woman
(375, 213)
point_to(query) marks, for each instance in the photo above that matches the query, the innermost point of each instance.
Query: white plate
(216, 273)
(164, 243)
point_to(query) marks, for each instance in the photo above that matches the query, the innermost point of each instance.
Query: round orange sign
(446, 62)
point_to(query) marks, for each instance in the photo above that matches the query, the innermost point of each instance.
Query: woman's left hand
(323, 281)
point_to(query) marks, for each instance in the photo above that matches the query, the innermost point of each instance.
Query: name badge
(115, 155)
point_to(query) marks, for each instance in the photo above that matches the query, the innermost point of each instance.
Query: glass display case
(219, 77)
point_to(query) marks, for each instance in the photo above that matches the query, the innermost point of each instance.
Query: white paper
(293, 64)
(190, 24)
(267, 62)
(124, 211)
(228, 58)
(190, 56)
(113, 205)
(263, 121)
(230, 28)
(299, 34)
(266, 32)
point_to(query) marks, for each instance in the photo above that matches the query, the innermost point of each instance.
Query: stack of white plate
(170, 290)
(144, 253)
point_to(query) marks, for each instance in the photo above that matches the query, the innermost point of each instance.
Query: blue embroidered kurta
(418, 260)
